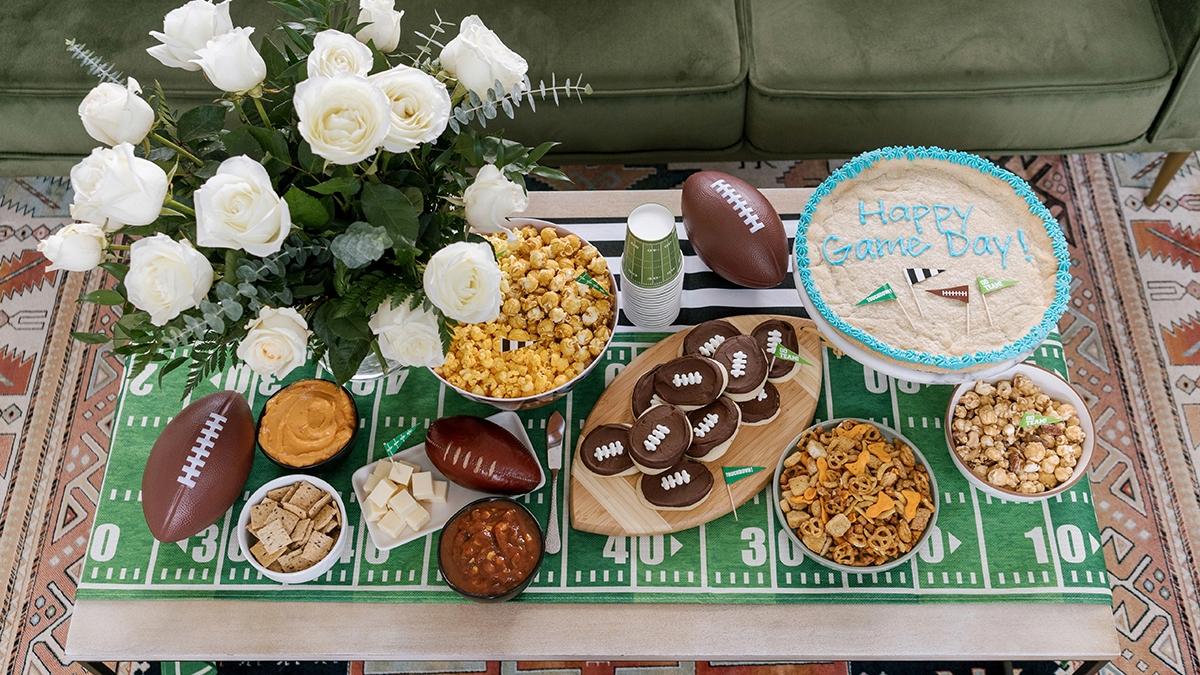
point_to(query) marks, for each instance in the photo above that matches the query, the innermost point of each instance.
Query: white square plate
(456, 495)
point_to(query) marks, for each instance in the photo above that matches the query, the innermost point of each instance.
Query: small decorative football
(735, 230)
(479, 454)
(198, 466)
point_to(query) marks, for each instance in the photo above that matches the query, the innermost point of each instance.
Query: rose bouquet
(322, 206)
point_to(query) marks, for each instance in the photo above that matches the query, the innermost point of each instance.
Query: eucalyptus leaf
(360, 245)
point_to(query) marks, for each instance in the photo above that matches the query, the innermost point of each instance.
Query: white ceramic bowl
(1056, 388)
(889, 434)
(539, 400)
(303, 575)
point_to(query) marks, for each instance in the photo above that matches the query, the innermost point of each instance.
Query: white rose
(77, 247)
(187, 29)
(420, 107)
(231, 63)
(276, 342)
(113, 114)
(345, 119)
(408, 336)
(491, 199)
(166, 277)
(383, 24)
(478, 59)
(238, 208)
(463, 280)
(113, 188)
(336, 53)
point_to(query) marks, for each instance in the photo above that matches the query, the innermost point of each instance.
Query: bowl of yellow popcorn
(557, 317)
(1024, 435)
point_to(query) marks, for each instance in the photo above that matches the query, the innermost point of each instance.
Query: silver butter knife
(554, 440)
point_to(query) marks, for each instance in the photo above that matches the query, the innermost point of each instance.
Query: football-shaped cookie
(479, 454)
(734, 229)
(198, 466)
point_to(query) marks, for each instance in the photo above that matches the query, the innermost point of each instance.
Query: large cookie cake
(933, 260)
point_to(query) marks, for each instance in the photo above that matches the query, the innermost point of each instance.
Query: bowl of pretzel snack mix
(857, 496)
(557, 317)
(1024, 435)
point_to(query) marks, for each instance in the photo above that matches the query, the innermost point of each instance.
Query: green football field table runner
(993, 560)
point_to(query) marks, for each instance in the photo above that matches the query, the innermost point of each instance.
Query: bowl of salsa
(490, 550)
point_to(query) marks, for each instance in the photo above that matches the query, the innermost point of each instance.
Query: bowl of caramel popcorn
(1024, 435)
(557, 317)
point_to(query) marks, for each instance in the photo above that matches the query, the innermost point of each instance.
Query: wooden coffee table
(218, 629)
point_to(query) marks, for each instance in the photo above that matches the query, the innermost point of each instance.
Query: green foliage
(361, 234)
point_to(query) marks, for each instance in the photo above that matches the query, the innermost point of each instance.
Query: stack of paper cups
(651, 267)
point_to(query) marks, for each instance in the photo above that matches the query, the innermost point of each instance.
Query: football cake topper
(989, 285)
(883, 294)
(960, 293)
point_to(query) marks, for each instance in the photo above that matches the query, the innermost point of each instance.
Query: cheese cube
(382, 493)
(400, 473)
(382, 467)
(417, 518)
(393, 524)
(439, 492)
(402, 503)
(372, 512)
(422, 486)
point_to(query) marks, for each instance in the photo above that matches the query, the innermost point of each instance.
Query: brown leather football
(734, 229)
(198, 466)
(479, 454)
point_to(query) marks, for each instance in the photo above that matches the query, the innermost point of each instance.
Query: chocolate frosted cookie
(681, 487)
(659, 438)
(746, 364)
(690, 382)
(713, 429)
(769, 335)
(643, 393)
(705, 338)
(761, 409)
(605, 450)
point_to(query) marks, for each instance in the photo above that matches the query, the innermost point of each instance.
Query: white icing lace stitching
(686, 379)
(774, 337)
(607, 450)
(710, 345)
(674, 480)
(738, 368)
(706, 425)
(655, 438)
(762, 395)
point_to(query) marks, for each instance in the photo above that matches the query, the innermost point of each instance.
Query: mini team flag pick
(782, 352)
(587, 280)
(960, 293)
(732, 475)
(507, 345)
(1032, 419)
(989, 285)
(914, 276)
(883, 294)
(394, 445)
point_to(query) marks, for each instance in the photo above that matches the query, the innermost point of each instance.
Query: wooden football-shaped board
(610, 505)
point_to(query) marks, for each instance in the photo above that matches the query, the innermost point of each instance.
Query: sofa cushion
(834, 77)
(660, 83)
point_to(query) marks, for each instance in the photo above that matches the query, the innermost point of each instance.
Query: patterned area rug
(1133, 343)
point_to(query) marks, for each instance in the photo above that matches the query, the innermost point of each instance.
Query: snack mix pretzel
(853, 497)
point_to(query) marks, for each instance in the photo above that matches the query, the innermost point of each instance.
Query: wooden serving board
(610, 505)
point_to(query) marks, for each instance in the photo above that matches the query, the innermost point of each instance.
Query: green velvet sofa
(723, 79)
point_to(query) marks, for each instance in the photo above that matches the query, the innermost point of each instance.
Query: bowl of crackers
(856, 495)
(557, 317)
(1024, 435)
(293, 528)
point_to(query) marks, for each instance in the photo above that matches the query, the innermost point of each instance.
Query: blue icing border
(1034, 337)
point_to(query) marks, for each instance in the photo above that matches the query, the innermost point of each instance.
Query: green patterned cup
(652, 257)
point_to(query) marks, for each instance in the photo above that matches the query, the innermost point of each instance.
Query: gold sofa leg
(1170, 166)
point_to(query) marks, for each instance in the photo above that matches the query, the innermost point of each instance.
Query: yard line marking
(983, 558)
